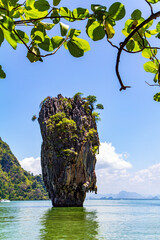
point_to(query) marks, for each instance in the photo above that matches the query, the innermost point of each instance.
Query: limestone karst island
(70, 142)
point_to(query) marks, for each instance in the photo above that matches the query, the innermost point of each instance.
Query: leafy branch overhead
(41, 17)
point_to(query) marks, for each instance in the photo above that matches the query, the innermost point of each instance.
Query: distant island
(15, 182)
(123, 195)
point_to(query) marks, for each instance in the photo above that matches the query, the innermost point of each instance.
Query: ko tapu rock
(68, 153)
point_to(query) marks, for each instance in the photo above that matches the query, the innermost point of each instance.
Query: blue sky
(130, 120)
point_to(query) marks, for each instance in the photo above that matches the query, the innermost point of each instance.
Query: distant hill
(15, 182)
(129, 195)
(121, 195)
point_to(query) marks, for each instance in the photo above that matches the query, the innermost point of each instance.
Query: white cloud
(109, 159)
(113, 174)
(31, 164)
(146, 180)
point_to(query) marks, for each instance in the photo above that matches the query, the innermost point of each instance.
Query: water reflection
(69, 224)
(20, 220)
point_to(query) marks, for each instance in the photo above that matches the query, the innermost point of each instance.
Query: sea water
(97, 220)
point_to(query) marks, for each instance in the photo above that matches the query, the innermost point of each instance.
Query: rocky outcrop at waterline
(70, 141)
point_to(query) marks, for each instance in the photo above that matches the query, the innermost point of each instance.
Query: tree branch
(40, 56)
(153, 16)
(48, 17)
(19, 5)
(3, 8)
(150, 6)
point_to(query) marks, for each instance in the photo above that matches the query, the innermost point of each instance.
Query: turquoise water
(97, 220)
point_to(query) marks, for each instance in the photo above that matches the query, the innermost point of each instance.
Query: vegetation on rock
(70, 142)
(63, 128)
(15, 182)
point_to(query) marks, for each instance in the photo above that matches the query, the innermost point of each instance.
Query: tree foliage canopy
(100, 23)
(15, 182)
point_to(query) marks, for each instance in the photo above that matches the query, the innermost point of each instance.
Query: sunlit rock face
(70, 141)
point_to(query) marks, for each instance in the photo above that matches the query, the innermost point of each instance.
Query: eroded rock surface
(70, 141)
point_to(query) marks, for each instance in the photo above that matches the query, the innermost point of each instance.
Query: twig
(111, 43)
(3, 8)
(141, 39)
(150, 6)
(153, 85)
(153, 16)
(19, 5)
(41, 56)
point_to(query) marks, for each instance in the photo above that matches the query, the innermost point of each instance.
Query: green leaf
(74, 32)
(157, 97)
(56, 41)
(23, 35)
(47, 26)
(67, 13)
(117, 11)
(2, 73)
(74, 49)
(6, 22)
(158, 36)
(158, 27)
(16, 13)
(30, 3)
(109, 30)
(81, 43)
(151, 67)
(4, 3)
(153, 1)
(13, 2)
(95, 31)
(38, 33)
(34, 13)
(80, 13)
(147, 34)
(138, 46)
(142, 43)
(42, 5)
(1, 36)
(156, 77)
(152, 32)
(130, 45)
(136, 15)
(65, 45)
(33, 58)
(56, 2)
(55, 13)
(11, 38)
(46, 44)
(97, 7)
(63, 28)
(148, 53)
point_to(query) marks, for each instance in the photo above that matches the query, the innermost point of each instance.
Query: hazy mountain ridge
(15, 182)
(120, 195)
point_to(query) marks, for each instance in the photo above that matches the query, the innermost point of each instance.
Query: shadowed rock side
(70, 141)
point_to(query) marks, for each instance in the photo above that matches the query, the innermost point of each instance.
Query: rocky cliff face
(70, 141)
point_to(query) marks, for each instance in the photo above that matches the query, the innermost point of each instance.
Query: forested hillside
(15, 182)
